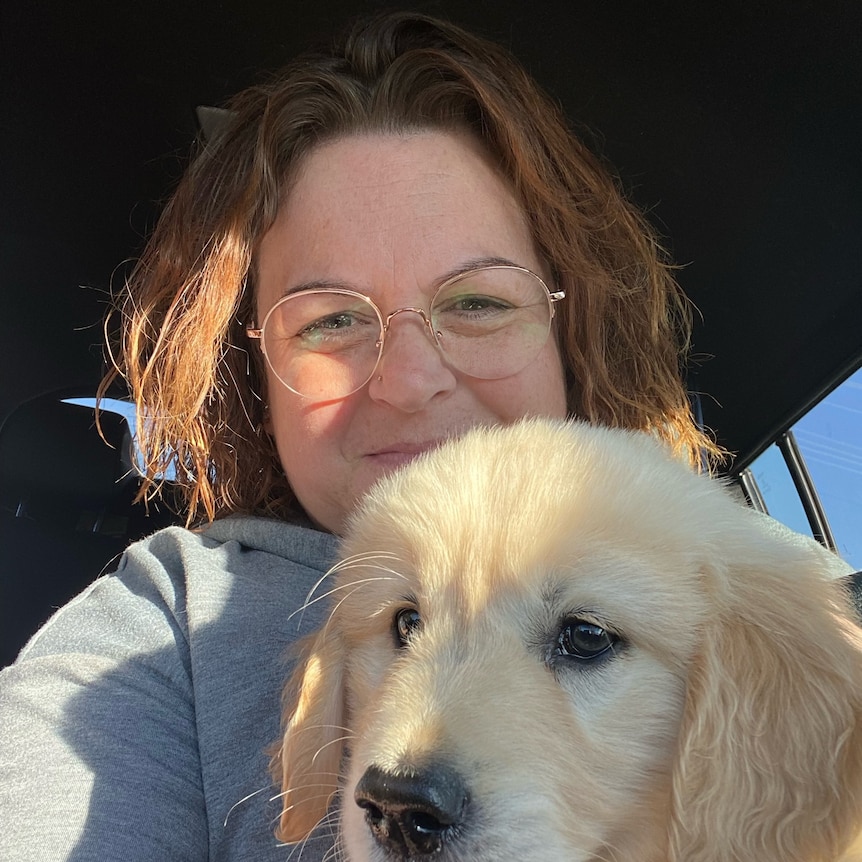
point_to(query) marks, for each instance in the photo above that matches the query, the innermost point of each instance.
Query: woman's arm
(98, 750)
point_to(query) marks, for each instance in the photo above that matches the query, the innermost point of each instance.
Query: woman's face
(389, 216)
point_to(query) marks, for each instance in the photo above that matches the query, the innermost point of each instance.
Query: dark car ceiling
(737, 125)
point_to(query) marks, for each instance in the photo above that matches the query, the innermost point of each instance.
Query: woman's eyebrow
(320, 284)
(476, 263)
(460, 269)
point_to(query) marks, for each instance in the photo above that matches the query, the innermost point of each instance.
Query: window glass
(778, 490)
(127, 410)
(829, 437)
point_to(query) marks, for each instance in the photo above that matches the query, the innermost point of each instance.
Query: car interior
(737, 127)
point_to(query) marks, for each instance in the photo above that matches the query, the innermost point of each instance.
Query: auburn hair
(200, 386)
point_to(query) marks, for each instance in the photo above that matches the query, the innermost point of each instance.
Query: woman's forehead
(369, 209)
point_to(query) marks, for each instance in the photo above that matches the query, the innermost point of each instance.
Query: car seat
(67, 509)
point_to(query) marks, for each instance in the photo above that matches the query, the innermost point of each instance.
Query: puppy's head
(552, 640)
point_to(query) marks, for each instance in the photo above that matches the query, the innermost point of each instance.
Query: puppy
(553, 641)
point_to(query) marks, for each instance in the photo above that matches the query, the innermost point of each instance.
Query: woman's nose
(412, 369)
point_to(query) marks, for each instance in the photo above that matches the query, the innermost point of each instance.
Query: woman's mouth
(396, 455)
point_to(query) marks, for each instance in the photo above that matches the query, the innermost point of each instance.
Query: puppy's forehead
(486, 572)
(515, 504)
(524, 482)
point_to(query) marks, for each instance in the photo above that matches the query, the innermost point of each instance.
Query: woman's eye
(584, 640)
(332, 322)
(407, 623)
(342, 329)
(472, 303)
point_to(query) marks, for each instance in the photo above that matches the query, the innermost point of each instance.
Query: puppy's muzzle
(413, 815)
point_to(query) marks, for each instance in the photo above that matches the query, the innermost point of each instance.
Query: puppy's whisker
(339, 566)
(333, 570)
(282, 794)
(309, 602)
(299, 848)
(318, 582)
(328, 820)
(349, 733)
(326, 745)
(306, 799)
(366, 555)
(370, 561)
(350, 562)
(358, 585)
(335, 852)
(241, 802)
(394, 573)
(336, 589)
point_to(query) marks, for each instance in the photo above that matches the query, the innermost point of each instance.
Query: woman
(384, 247)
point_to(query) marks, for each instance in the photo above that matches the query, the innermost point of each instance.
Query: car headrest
(52, 451)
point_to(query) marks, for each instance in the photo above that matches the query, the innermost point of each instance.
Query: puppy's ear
(306, 762)
(770, 758)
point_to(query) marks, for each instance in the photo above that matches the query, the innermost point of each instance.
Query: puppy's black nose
(412, 815)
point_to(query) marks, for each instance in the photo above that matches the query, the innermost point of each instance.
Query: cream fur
(727, 725)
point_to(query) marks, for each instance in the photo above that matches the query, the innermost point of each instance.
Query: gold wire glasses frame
(489, 323)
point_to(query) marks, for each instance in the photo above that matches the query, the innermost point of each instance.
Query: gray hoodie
(133, 725)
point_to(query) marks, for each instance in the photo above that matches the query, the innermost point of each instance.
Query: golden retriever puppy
(555, 642)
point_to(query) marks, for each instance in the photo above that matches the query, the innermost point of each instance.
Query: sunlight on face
(390, 216)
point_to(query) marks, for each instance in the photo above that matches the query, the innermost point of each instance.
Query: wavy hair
(200, 390)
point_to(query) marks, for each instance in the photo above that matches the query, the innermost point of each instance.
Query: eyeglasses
(488, 323)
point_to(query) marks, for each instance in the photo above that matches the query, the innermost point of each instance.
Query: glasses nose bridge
(409, 308)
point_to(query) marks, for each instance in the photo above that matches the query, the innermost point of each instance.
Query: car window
(829, 440)
(128, 411)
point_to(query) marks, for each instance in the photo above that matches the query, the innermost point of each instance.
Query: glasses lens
(323, 343)
(493, 322)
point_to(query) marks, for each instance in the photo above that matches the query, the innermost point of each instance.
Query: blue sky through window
(127, 410)
(830, 439)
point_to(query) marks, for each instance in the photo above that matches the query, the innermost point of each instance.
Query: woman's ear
(307, 761)
(770, 755)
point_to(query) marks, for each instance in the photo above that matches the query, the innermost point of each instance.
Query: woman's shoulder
(301, 544)
(241, 539)
(238, 575)
(176, 581)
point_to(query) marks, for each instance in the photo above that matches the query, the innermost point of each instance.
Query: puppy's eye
(406, 623)
(584, 640)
